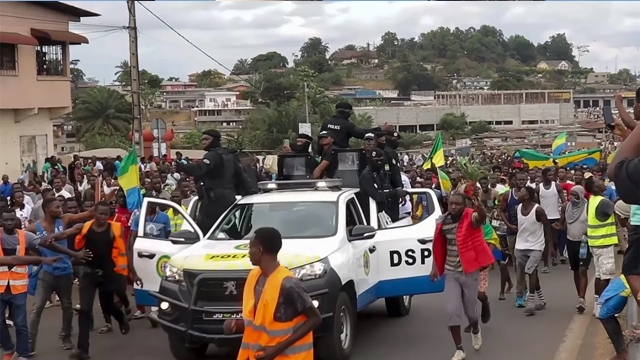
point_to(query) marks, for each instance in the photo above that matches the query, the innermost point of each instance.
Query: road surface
(422, 334)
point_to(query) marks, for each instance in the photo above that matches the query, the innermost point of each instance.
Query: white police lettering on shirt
(396, 257)
(334, 127)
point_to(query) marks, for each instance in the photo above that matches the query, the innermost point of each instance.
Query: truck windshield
(294, 220)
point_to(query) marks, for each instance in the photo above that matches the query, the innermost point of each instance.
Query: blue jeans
(17, 305)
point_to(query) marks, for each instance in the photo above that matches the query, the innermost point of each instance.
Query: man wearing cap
(216, 176)
(329, 163)
(343, 129)
(375, 181)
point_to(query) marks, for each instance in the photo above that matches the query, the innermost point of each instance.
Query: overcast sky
(232, 30)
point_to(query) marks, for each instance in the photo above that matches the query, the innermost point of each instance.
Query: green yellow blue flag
(559, 144)
(445, 182)
(436, 156)
(534, 159)
(129, 180)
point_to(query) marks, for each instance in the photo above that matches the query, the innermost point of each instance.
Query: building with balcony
(223, 110)
(35, 83)
(64, 136)
(181, 94)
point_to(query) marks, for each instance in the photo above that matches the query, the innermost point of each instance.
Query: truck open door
(404, 257)
(151, 253)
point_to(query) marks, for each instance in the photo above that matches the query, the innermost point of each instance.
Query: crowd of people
(507, 216)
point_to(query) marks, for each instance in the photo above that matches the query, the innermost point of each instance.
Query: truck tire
(181, 351)
(338, 344)
(398, 306)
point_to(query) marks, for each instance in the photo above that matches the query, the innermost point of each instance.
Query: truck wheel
(181, 351)
(338, 344)
(398, 306)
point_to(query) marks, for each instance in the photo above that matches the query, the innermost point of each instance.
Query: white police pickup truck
(346, 259)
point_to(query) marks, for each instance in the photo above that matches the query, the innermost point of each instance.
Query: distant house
(554, 65)
(344, 57)
(598, 78)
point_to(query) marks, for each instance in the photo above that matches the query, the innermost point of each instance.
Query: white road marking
(572, 341)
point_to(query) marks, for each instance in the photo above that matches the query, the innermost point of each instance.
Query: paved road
(421, 333)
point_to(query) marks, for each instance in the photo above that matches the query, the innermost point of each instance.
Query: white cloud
(242, 29)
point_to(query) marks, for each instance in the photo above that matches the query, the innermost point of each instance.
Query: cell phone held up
(285, 142)
(607, 114)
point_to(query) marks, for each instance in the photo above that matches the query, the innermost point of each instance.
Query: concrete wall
(25, 141)
(491, 113)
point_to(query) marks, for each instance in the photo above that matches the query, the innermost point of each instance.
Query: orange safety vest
(118, 252)
(17, 279)
(260, 329)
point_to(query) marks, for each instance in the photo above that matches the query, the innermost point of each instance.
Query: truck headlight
(311, 271)
(173, 274)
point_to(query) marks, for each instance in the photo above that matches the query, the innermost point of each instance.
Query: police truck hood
(233, 254)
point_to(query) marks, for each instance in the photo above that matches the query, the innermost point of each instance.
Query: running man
(551, 198)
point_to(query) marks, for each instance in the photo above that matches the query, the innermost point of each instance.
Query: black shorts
(631, 260)
(573, 252)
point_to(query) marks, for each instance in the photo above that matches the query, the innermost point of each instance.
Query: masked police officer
(343, 129)
(375, 182)
(217, 176)
(385, 143)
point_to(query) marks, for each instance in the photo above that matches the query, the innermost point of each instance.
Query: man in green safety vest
(601, 235)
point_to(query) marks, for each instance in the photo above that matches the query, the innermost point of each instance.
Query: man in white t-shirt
(58, 188)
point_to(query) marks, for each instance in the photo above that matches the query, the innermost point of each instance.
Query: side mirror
(362, 232)
(184, 237)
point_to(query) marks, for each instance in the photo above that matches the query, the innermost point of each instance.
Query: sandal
(105, 329)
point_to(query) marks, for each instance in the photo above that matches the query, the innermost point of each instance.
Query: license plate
(221, 316)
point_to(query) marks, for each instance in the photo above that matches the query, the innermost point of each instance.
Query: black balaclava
(381, 145)
(304, 148)
(375, 160)
(215, 141)
(344, 110)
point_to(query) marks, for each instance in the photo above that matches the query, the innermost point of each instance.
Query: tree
(624, 76)
(210, 78)
(313, 55)
(102, 111)
(522, 49)
(408, 75)
(190, 140)
(557, 48)
(268, 61)
(479, 127)
(77, 75)
(453, 124)
(241, 67)
(173, 78)
(123, 73)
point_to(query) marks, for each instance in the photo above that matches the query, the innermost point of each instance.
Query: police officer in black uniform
(343, 129)
(388, 143)
(217, 176)
(375, 182)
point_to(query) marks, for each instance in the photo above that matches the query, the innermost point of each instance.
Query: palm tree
(314, 46)
(123, 73)
(102, 111)
(241, 67)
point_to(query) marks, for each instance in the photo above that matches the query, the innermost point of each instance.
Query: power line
(207, 54)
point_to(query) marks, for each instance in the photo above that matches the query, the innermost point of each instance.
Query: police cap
(343, 105)
(376, 153)
(369, 136)
(324, 134)
(213, 133)
(394, 134)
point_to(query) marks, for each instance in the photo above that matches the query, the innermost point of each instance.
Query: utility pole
(136, 138)
(306, 102)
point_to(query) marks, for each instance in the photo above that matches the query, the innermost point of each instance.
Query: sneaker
(581, 307)
(541, 306)
(32, 347)
(530, 310)
(476, 339)
(459, 355)
(596, 309)
(138, 315)
(545, 270)
(520, 302)
(67, 344)
(9, 323)
(78, 354)
(48, 305)
(563, 259)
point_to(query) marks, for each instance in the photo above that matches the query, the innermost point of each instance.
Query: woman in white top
(23, 211)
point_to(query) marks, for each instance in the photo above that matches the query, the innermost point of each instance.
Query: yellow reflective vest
(600, 233)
